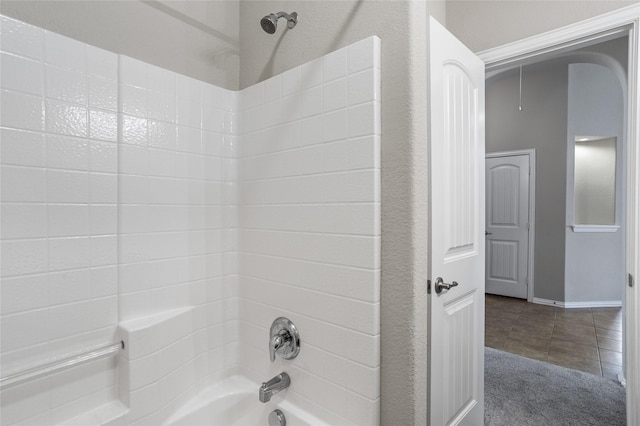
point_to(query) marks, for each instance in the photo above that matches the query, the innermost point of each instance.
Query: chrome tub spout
(273, 386)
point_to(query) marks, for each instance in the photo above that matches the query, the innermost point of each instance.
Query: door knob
(441, 285)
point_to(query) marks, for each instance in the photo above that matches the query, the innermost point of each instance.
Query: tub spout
(273, 386)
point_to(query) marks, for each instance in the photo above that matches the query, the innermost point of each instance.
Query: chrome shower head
(270, 22)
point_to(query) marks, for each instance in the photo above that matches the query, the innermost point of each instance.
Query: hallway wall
(541, 125)
(595, 261)
(551, 116)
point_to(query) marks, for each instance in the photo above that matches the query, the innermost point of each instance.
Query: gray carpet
(522, 391)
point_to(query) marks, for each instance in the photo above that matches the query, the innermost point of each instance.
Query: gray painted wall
(541, 125)
(199, 39)
(564, 261)
(482, 24)
(595, 261)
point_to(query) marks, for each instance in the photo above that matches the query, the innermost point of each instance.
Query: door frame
(531, 153)
(623, 21)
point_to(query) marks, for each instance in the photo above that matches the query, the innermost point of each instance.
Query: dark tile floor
(588, 339)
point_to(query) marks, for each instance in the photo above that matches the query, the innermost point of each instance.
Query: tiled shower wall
(59, 218)
(309, 229)
(173, 163)
(113, 205)
(125, 198)
(177, 292)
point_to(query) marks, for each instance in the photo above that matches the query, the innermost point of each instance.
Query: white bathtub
(234, 402)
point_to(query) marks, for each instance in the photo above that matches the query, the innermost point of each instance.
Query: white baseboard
(569, 305)
(622, 380)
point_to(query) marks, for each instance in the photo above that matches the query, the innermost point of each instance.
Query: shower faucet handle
(284, 339)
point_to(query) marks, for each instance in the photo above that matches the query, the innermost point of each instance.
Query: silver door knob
(441, 285)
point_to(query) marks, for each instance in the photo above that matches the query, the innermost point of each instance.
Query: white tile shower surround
(58, 232)
(309, 229)
(185, 218)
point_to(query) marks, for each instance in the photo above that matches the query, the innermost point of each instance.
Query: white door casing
(507, 225)
(456, 316)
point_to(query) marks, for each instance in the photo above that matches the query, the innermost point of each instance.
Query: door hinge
(630, 280)
(428, 286)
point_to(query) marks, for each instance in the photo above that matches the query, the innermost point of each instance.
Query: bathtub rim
(238, 385)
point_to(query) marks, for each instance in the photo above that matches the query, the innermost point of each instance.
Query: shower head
(270, 22)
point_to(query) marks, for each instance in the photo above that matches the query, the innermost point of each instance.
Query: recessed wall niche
(595, 180)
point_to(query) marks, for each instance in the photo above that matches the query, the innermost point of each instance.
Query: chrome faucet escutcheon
(284, 339)
(273, 386)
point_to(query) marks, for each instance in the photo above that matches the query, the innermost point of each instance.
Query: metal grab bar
(63, 364)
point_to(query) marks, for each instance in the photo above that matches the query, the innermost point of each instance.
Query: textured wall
(323, 27)
(482, 24)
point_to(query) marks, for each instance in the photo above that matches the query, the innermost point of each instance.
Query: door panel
(456, 315)
(503, 260)
(507, 225)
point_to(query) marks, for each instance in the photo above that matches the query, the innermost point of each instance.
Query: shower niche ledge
(157, 368)
(145, 335)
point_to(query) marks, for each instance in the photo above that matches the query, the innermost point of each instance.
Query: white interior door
(456, 315)
(507, 228)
